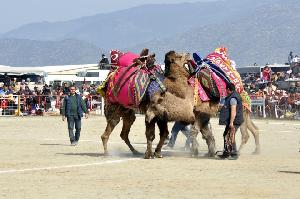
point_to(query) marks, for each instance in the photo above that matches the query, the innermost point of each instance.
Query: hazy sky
(14, 13)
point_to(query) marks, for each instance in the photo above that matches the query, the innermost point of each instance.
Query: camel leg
(255, 132)
(128, 120)
(245, 135)
(150, 135)
(163, 132)
(193, 137)
(203, 124)
(209, 138)
(112, 121)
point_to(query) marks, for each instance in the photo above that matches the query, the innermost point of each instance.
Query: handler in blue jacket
(73, 108)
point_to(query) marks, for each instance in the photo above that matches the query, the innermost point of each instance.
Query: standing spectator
(103, 62)
(266, 73)
(290, 57)
(6, 80)
(72, 109)
(231, 115)
(65, 89)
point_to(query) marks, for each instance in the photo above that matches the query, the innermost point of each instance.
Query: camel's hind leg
(245, 135)
(128, 120)
(255, 132)
(112, 119)
(248, 124)
(163, 132)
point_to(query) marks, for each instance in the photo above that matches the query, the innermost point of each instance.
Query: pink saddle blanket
(129, 83)
(130, 90)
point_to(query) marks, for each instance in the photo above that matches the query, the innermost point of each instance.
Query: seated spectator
(2, 92)
(9, 91)
(291, 101)
(27, 91)
(270, 88)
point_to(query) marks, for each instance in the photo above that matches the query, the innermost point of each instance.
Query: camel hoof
(149, 155)
(194, 152)
(256, 152)
(211, 154)
(158, 155)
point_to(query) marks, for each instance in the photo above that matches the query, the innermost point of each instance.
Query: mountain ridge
(255, 31)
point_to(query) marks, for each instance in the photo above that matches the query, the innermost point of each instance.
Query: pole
(19, 106)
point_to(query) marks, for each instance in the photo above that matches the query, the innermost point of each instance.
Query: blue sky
(14, 13)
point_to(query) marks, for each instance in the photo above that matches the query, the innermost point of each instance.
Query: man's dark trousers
(225, 134)
(72, 120)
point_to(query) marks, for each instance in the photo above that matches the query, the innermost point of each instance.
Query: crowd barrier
(15, 105)
(22, 105)
(265, 108)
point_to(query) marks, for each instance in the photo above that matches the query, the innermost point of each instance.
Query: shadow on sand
(110, 155)
(290, 172)
(55, 145)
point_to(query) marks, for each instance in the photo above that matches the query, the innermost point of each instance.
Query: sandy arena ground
(37, 161)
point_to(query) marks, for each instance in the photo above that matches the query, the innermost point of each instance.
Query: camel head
(178, 63)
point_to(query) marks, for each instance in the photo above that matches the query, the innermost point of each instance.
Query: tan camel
(178, 73)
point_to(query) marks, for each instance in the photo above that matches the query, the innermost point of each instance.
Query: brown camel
(177, 75)
(115, 111)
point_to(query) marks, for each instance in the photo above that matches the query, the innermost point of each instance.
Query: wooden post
(19, 106)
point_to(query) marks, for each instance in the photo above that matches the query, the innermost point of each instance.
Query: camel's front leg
(163, 132)
(150, 135)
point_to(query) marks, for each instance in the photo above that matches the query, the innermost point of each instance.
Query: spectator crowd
(37, 98)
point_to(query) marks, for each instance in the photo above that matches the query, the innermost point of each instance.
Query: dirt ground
(37, 161)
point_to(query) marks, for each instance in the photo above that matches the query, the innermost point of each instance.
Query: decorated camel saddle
(215, 71)
(129, 80)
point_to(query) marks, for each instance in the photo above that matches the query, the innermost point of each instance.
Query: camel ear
(144, 52)
(159, 100)
(169, 57)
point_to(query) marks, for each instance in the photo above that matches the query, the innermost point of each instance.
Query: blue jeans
(71, 122)
(185, 129)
